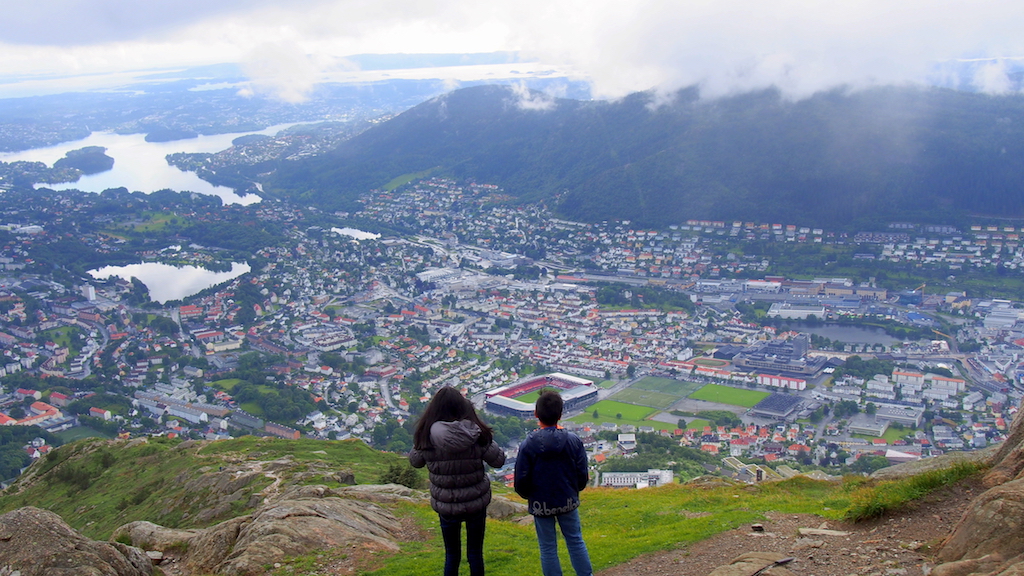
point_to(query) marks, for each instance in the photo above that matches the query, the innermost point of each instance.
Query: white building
(646, 479)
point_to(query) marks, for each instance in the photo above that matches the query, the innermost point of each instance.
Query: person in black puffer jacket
(453, 443)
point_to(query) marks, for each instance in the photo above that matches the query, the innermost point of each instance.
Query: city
(329, 336)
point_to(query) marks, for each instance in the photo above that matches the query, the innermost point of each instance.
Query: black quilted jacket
(458, 484)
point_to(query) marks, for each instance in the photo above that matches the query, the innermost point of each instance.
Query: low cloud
(798, 46)
(280, 70)
(527, 99)
(619, 46)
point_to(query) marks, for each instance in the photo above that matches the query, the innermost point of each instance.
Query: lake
(166, 282)
(355, 233)
(845, 333)
(142, 166)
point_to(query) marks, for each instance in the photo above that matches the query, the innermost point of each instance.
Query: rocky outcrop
(501, 508)
(300, 520)
(149, 536)
(36, 542)
(1008, 463)
(989, 539)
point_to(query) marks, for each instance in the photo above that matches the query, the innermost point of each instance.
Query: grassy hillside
(98, 485)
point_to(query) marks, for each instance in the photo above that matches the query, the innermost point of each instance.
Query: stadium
(577, 393)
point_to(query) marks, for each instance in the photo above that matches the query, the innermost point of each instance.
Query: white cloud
(991, 77)
(281, 70)
(726, 46)
(527, 99)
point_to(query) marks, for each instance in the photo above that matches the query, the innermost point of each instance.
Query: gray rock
(149, 536)
(501, 507)
(37, 542)
(751, 562)
(303, 519)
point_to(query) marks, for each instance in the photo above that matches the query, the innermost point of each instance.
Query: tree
(401, 473)
(870, 409)
(595, 414)
(869, 463)
(681, 424)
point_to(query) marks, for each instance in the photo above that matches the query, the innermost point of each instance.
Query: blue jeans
(451, 533)
(571, 531)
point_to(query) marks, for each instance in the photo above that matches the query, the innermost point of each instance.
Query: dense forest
(839, 159)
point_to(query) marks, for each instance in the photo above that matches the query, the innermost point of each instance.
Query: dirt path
(898, 545)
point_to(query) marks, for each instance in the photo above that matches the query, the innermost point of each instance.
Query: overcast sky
(800, 46)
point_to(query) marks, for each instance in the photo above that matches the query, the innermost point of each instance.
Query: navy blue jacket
(551, 471)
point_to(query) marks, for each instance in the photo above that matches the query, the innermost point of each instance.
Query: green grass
(227, 385)
(406, 178)
(729, 395)
(645, 398)
(631, 414)
(697, 423)
(252, 408)
(606, 384)
(62, 337)
(891, 435)
(530, 398)
(107, 484)
(875, 499)
(80, 433)
(617, 526)
(157, 221)
(666, 386)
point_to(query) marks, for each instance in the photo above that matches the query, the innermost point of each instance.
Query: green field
(696, 423)
(729, 395)
(530, 398)
(79, 433)
(606, 384)
(63, 337)
(645, 398)
(406, 178)
(631, 414)
(227, 385)
(667, 386)
(891, 435)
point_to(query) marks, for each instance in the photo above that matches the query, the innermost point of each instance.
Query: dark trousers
(451, 532)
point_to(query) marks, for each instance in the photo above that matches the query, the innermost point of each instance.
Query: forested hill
(836, 159)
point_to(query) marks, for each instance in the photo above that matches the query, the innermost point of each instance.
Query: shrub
(401, 473)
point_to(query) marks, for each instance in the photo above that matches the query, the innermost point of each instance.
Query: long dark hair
(448, 405)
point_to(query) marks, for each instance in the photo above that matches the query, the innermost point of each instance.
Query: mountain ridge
(838, 157)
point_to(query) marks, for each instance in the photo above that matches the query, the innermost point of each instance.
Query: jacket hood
(454, 436)
(551, 441)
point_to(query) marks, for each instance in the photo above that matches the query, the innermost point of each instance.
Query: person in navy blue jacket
(551, 470)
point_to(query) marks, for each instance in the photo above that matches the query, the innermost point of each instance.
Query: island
(87, 160)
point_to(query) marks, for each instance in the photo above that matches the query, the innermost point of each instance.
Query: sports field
(729, 395)
(667, 386)
(530, 398)
(631, 414)
(645, 398)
